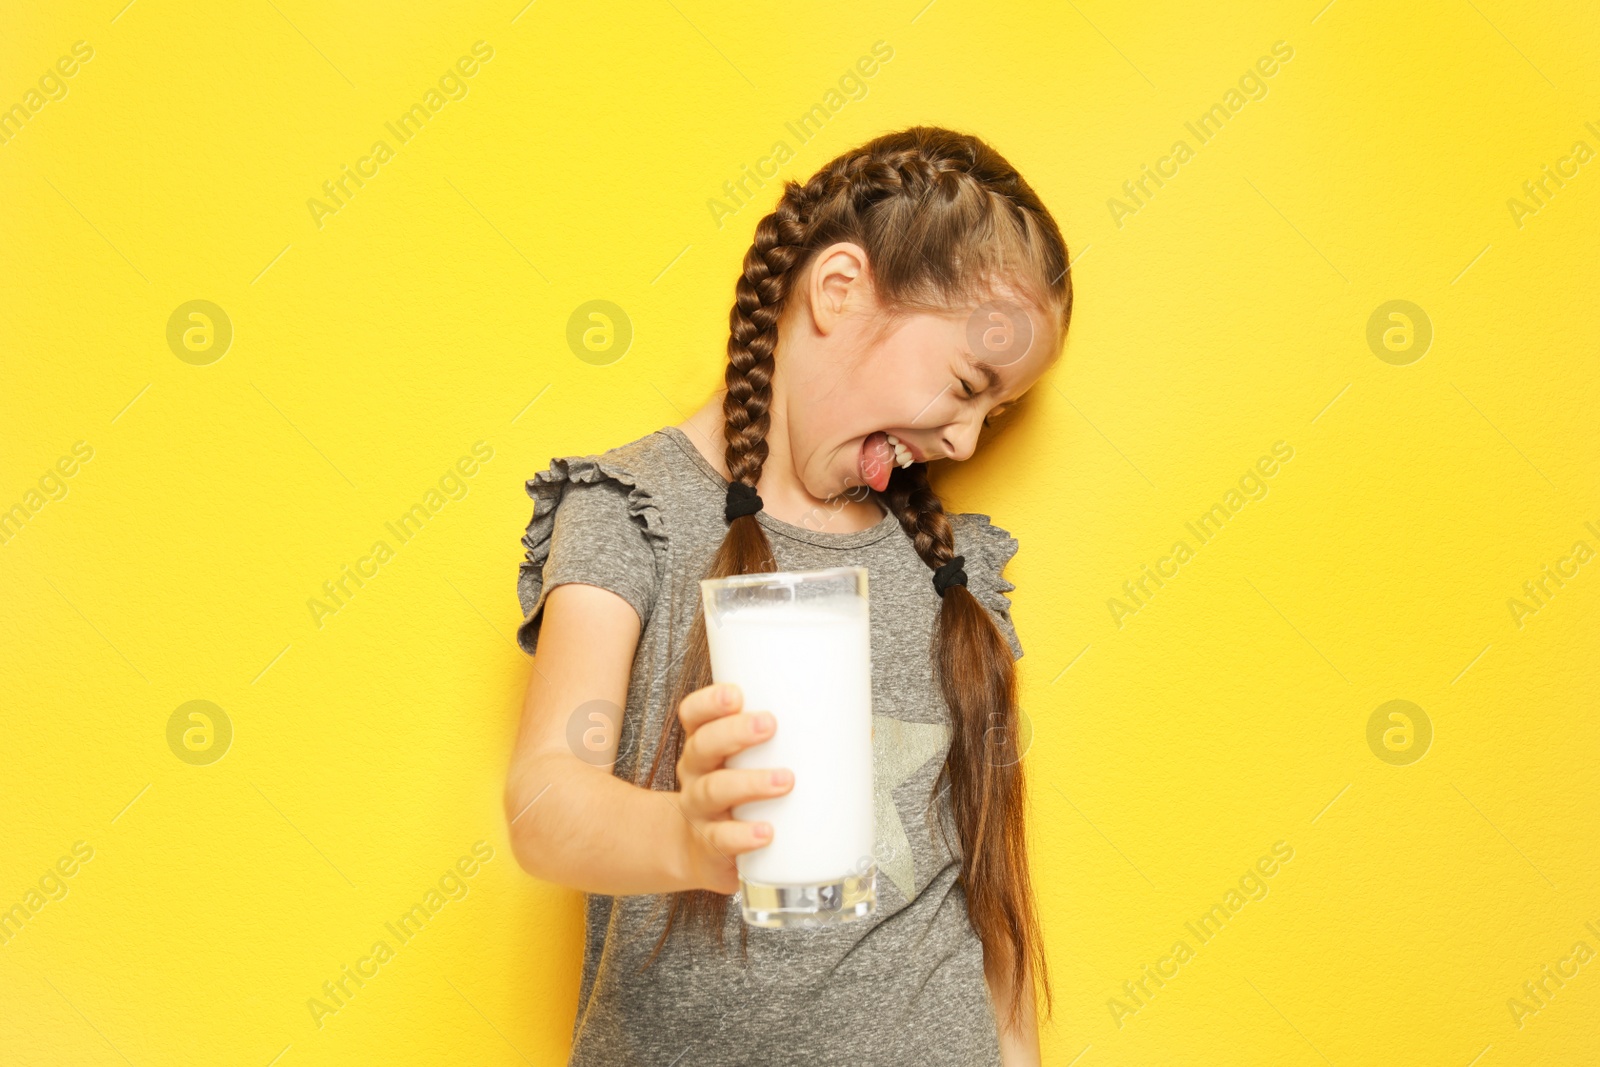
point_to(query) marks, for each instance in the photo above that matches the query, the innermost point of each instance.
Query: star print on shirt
(899, 749)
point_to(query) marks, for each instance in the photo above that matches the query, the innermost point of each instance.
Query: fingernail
(763, 831)
(782, 777)
(764, 722)
(725, 696)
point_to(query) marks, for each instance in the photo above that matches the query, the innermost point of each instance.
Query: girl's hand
(714, 729)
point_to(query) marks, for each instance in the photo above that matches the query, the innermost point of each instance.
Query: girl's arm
(573, 822)
(1019, 1045)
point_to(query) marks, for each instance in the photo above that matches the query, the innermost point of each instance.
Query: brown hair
(943, 219)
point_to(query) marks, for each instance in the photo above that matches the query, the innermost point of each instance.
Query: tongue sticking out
(877, 460)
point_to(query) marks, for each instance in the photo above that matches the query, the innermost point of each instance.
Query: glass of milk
(798, 644)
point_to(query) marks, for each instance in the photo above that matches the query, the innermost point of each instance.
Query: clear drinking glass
(798, 644)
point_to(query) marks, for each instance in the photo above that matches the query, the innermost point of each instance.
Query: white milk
(810, 664)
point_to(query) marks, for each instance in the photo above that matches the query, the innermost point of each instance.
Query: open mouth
(880, 453)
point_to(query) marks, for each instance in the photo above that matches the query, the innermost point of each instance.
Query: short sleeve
(592, 523)
(987, 582)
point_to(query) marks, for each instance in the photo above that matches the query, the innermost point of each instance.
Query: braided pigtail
(983, 770)
(946, 223)
(752, 343)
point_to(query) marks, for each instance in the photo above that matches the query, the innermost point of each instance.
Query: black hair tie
(950, 574)
(742, 500)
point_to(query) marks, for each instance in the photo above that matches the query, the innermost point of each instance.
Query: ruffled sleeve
(987, 581)
(592, 523)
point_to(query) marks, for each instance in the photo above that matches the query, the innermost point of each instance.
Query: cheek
(907, 393)
(849, 405)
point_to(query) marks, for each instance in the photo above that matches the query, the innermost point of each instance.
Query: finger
(718, 739)
(714, 794)
(707, 703)
(732, 837)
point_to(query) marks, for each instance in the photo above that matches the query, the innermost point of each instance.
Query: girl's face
(932, 381)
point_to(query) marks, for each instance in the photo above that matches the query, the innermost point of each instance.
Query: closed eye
(971, 392)
(1000, 412)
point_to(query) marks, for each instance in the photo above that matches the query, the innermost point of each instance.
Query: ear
(839, 283)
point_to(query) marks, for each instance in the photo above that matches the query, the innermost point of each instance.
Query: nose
(961, 440)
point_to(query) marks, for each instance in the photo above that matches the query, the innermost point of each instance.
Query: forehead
(1009, 344)
(1006, 344)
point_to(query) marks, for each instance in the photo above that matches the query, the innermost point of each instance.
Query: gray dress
(904, 986)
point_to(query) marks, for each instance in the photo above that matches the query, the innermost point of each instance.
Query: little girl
(890, 307)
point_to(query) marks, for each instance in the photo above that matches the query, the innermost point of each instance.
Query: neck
(783, 495)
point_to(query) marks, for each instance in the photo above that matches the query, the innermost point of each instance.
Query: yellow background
(369, 354)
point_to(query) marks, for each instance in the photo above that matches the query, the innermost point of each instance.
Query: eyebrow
(991, 378)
